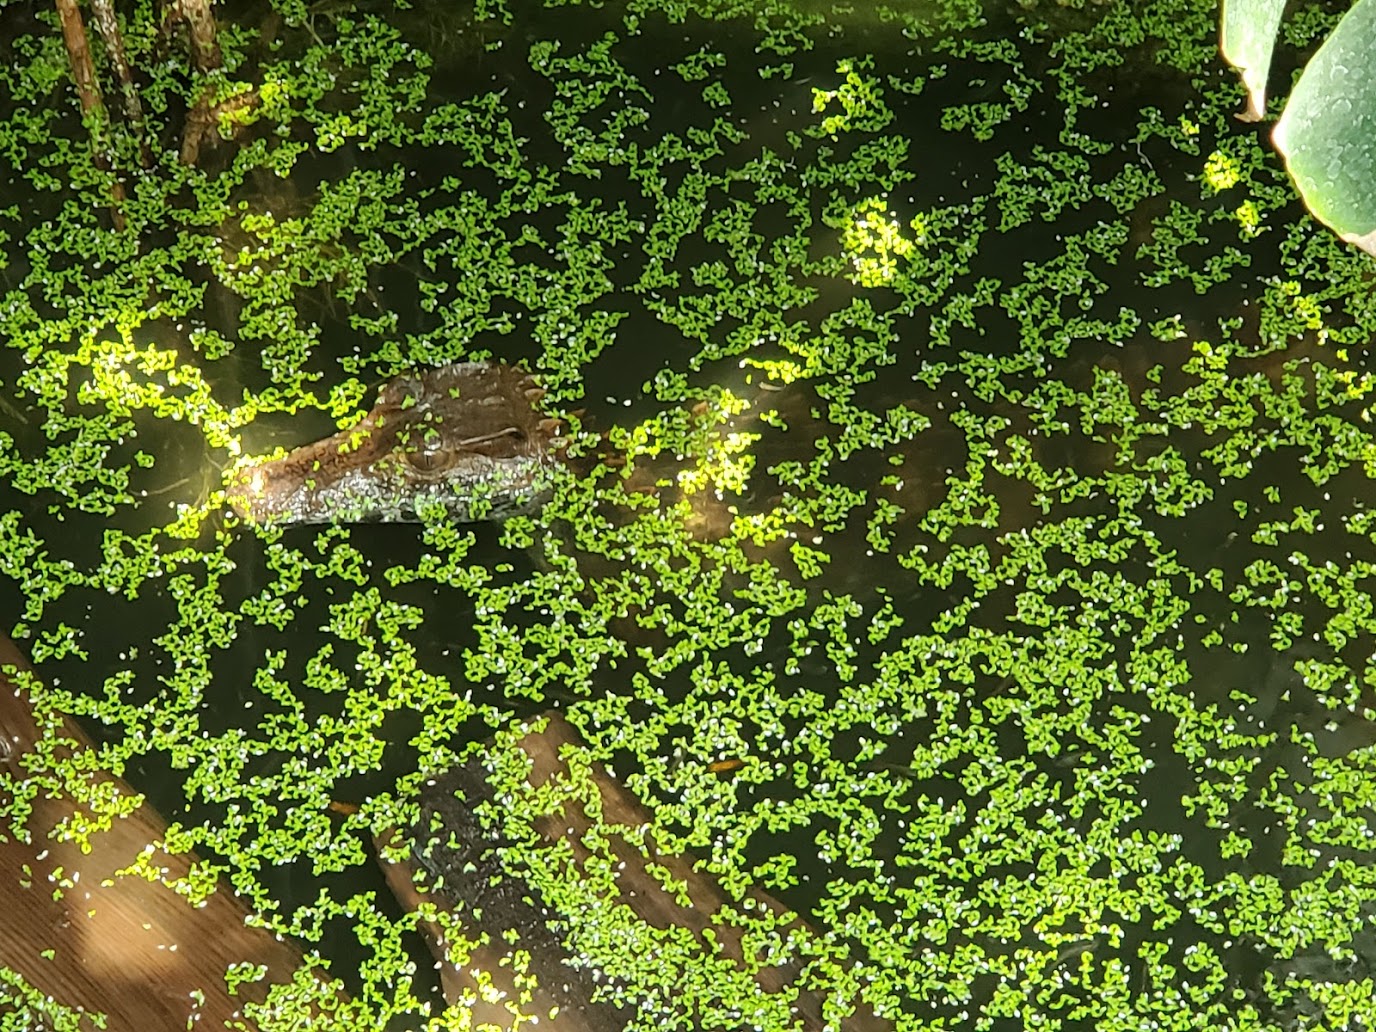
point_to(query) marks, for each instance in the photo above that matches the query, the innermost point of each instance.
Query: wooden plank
(141, 954)
(132, 949)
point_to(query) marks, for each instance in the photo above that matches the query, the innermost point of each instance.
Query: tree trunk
(92, 104)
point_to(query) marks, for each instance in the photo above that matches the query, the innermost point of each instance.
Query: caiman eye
(429, 460)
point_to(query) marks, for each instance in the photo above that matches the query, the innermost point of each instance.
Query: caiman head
(464, 437)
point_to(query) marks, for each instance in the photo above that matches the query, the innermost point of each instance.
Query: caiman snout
(465, 437)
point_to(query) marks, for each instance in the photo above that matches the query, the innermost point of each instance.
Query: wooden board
(133, 949)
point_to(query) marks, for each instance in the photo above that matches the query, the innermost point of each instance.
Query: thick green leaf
(1328, 131)
(1247, 38)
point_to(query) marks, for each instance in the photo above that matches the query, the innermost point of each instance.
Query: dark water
(962, 798)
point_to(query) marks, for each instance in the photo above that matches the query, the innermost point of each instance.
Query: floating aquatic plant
(1032, 604)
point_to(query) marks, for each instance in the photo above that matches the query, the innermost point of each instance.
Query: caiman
(469, 440)
(465, 439)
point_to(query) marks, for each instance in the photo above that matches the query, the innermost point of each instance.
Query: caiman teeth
(551, 427)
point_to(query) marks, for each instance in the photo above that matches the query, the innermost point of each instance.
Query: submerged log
(455, 862)
(202, 34)
(486, 983)
(93, 940)
(202, 42)
(203, 121)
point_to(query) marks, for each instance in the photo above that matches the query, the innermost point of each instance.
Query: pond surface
(1009, 426)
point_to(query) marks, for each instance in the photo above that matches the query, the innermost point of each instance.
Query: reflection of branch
(200, 32)
(13, 411)
(83, 71)
(92, 104)
(114, 46)
(207, 57)
(1074, 950)
(170, 487)
(203, 121)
